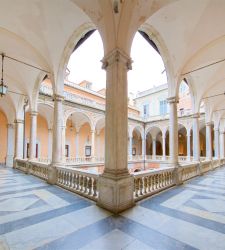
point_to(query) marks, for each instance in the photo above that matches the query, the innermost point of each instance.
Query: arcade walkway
(34, 215)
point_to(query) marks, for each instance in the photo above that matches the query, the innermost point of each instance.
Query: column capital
(58, 98)
(10, 125)
(209, 124)
(33, 113)
(116, 56)
(93, 131)
(50, 130)
(19, 121)
(216, 129)
(196, 115)
(172, 100)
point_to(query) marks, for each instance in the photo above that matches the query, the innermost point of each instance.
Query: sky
(147, 67)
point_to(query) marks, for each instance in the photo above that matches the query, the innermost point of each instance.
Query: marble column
(189, 145)
(19, 139)
(10, 145)
(221, 144)
(92, 143)
(154, 148)
(77, 143)
(173, 131)
(33, 135)
(164, 146)
(196, 140)
(57, 138)
(217, 143)
(208, 141)
(49, 143)
(116, 185)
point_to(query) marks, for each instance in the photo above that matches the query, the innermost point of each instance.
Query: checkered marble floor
(35, 215)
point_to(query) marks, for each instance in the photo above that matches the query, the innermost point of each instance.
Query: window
(146, 110)
(87, 151)
(67, 150)
(163, 107)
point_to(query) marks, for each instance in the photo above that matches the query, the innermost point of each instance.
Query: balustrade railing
(84, 160)
(79, 182)
(151, 182)
(39, 170)
(189, 171)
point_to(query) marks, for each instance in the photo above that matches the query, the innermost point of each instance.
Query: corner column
(196, 141)
(143, 147)
(116, 185)
(33, 134)
(173, 131)
(208, 141)
(57, 138)
(77, 142)
(130, 145)
(10, 145)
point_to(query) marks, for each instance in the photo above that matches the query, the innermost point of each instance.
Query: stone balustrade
(152, 181)
(79, 182)
(146, 183)
(189, 171)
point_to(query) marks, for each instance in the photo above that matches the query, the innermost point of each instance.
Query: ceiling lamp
(3, 87)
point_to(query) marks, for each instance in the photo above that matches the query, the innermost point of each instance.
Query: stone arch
(68, 50)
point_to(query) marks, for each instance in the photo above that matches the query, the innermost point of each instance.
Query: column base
(52, 175)
(115, 193)
(9, 160)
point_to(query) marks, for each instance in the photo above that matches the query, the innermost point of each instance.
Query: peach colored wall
(3, 136)
(42, 133)
(100, 144)
(70, 138)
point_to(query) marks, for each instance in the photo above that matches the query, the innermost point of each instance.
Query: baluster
(153, 182)
(77, 180)
(149, 183)
(159, 179)
(85, 184)
(71, 176)
(89, 185)
(136, 186)
(141, 186)
(95, 187)
(162, 180)
(81, 183)
(156, 182)
(145, 184)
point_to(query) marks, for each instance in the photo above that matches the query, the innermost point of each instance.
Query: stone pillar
(63, 143)
(164, 146)
(208, 141)
(221, 144)
(116, 185)
(19, 139)
(57, 138)
(10, 145)
(92, 143)
(173, 130)
(33, 135)
(49, 143)
(217, 143)
(196, 141)
(77, 143)
(154, 148)
(189, 145)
